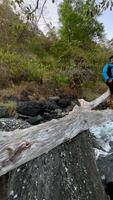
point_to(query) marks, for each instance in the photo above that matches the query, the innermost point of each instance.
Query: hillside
(47, 64)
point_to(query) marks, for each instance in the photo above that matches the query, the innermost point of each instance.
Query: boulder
(31, 108)
(67, 172)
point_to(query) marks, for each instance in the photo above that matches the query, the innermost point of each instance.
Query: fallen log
(20, 146)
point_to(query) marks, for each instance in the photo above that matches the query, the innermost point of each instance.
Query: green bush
(61, 79)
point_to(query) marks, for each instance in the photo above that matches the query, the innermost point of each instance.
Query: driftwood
(20, 146)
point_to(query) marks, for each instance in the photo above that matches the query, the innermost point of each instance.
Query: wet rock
(111, 145)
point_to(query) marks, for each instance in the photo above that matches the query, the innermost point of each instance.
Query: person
(108, 75)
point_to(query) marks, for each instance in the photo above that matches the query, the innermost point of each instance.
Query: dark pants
(110, 85)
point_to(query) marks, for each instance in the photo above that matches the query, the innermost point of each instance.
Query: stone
(35, 120)
(63, 103)
(51, 105)
(12, 124)
(54, 98)
(31, 108)
(105, 166)
(67, 172)
(10, 98)
(47, 116)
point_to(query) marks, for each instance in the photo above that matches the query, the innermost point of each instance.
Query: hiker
(108, 75)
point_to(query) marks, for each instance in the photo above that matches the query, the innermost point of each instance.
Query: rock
(111, 145)
(102, 106)
(10, 98)
(63, 103)
(68, 172)
(54, 98)
(3, 112)
(47, 116)
(12, 124)
(31, 108)
(51, 105)
(105, 166)
(23, 117)
(35, 120)
(58, 112)
(103, 145)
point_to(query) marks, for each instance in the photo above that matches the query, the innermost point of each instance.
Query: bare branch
(42, 10)
(36, 8)
(20, 146)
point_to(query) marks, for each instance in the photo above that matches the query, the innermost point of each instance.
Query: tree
(76, 24)
(8, 24)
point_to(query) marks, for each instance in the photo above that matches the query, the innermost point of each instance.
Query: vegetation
(76, 24)
(72, 60)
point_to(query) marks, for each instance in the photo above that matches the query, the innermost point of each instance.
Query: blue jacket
(107, 72)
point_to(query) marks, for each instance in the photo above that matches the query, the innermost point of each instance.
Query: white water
(103, 134)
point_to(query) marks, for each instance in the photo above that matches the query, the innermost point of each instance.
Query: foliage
(11, 107)
(76, 24)
(91, 4)
(28, 55)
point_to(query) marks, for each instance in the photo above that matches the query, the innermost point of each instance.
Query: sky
(107, 20)
(51, 15)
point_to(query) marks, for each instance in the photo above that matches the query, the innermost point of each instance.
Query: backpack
(109, 71)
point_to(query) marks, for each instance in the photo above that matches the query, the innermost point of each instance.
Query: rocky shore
(36, 112)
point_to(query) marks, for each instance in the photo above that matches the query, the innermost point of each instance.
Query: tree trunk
(64, 166)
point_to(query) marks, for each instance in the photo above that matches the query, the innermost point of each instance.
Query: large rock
(67, 172)
(31, 108)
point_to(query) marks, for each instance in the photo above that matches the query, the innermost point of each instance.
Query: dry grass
(16, 90)
(94, 90)
(38, 91)
(11, 107)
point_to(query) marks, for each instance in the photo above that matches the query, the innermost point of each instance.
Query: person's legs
(110, 85)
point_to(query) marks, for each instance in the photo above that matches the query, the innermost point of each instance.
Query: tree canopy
(76, 24)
